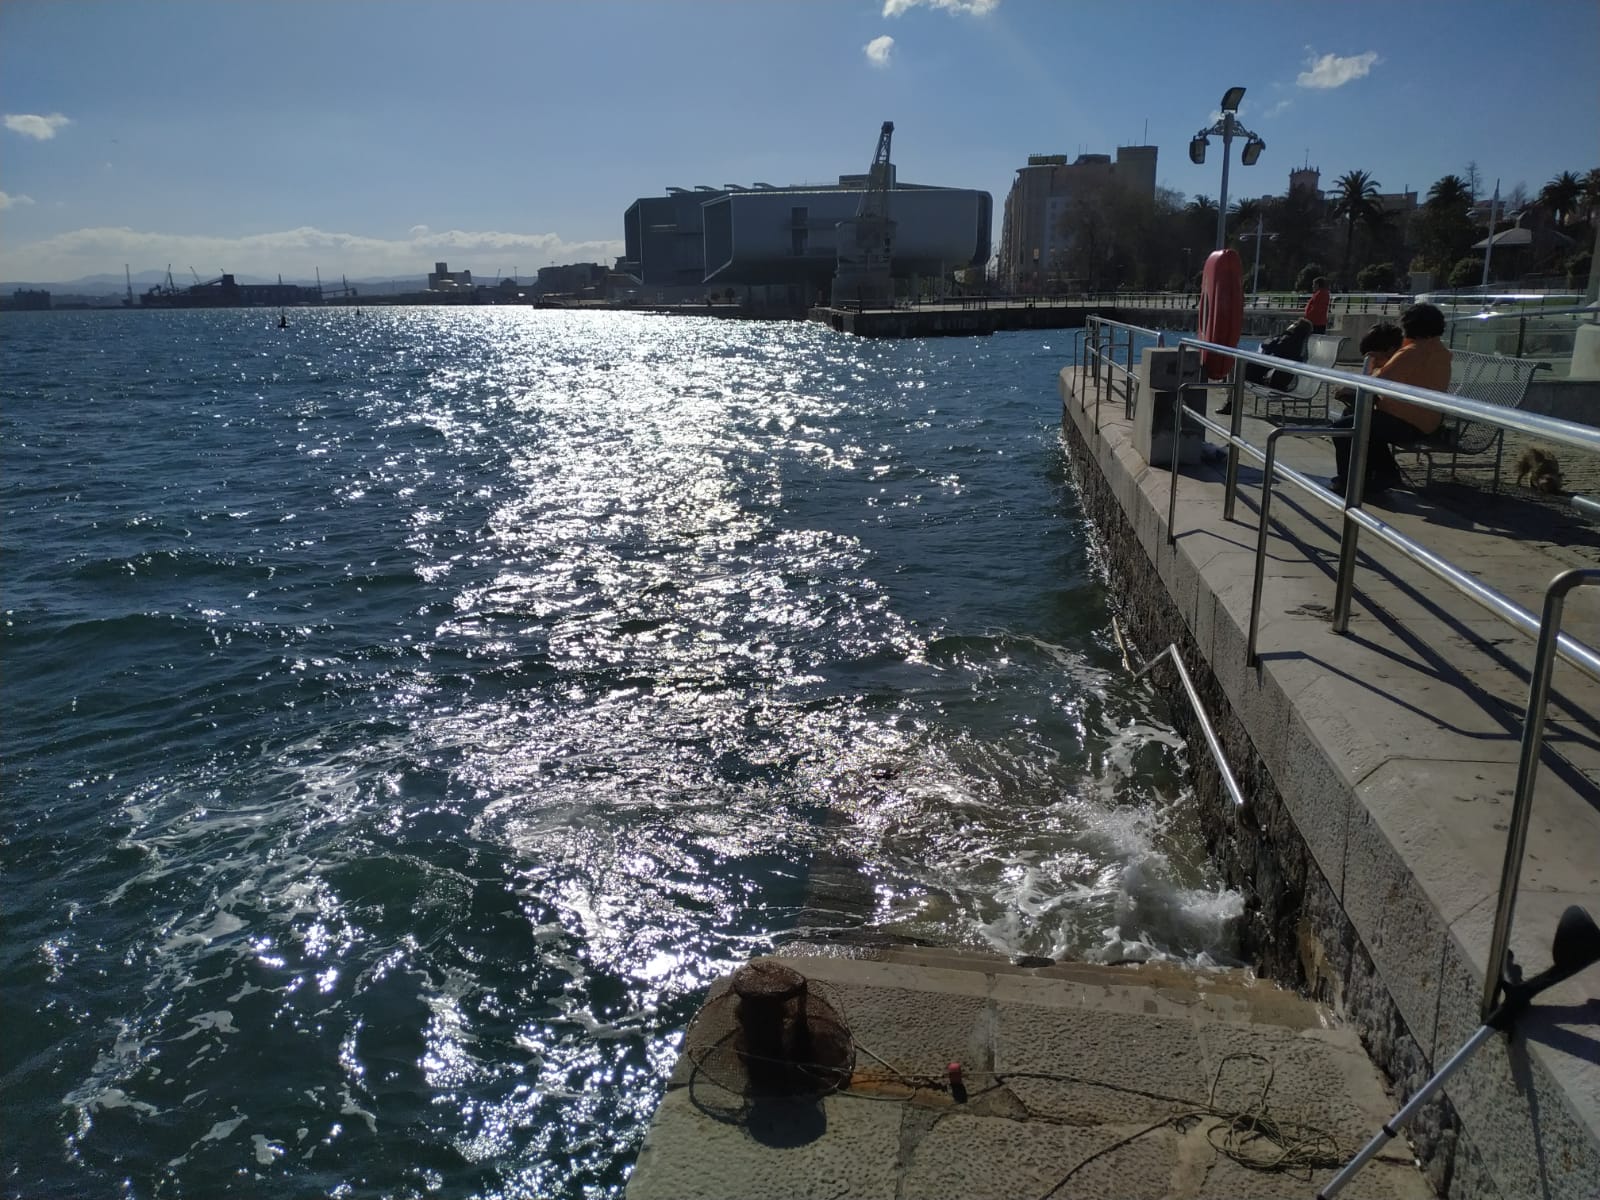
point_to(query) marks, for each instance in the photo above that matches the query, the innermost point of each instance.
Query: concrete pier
(1075, 1081)
(1380, 767)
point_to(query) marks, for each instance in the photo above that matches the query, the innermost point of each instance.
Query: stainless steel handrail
(1527, 770)
(1580, 655)
(1228, 781)
(1263, 527)
(1568, 433)
(1105, 329)
(1492, 315)
(1547, 628)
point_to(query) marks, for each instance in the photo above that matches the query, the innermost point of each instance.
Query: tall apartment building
(1033, 238)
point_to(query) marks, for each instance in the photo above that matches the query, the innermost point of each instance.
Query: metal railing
(1100, 347)
(1545, 333)
(1235, 792)
(1551, 642)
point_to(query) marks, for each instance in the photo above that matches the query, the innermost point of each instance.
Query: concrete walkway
(1080, 1081)
(1394, 749)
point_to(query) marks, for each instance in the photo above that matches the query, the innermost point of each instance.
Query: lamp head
(1232, 98)
(1197, 150)
(1252, 151)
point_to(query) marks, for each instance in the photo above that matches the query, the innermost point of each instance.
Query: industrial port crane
(866, 244)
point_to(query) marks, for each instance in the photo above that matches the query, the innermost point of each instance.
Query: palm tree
(1445, 230)
(1355, 199)
(1562, 194)
(1450, 194)
(1591, 192)
(1244, 214)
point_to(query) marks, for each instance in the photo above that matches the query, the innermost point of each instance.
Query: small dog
(1538, 468)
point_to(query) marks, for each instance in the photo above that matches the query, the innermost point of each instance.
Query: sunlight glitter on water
(488, 681)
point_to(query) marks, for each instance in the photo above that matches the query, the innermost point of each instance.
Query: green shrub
(1379, 277)
(1308, 273)
(1466, 272)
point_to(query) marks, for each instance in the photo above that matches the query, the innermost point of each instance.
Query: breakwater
(1378, 768)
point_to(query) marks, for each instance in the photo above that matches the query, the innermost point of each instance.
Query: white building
(443, 279)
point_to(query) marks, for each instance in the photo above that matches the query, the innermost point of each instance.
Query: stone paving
(1144, 1080)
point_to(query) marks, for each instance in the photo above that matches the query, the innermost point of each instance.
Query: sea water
(408, 713)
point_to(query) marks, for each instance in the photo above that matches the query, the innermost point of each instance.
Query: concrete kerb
(1378, 895)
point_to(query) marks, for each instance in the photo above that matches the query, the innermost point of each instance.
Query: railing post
(1269, 469)
(1544, 660)
(1261, 545)
(1230, 487)
(1354, 485)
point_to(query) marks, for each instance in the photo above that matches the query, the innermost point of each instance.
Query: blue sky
(370, 138)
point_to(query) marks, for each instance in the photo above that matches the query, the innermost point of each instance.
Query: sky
(371, 138)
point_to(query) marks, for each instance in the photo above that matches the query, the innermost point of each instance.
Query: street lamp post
(1227, 128)
(1255, 278)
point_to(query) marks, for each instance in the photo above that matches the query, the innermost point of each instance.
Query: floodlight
(1197, 150)
(1231, 99)
(1252, 151)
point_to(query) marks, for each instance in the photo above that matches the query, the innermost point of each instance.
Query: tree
(1355, 200)
(1466, 272)
(1297, 222)
(1562, 195)
(1243, 216)
(1378, 277)
(1591, 192)
(1445, 229)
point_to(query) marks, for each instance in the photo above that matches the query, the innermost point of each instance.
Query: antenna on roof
(1146, 141)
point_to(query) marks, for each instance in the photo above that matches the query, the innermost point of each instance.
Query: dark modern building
(783, 239)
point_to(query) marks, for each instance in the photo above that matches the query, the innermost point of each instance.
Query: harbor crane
(866, 243)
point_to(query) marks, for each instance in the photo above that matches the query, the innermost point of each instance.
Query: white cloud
(418, 231)
(7, 201)
(976, 8)
(878, 50)
(1280, 106)
(295, 253)
(1331, 70)
(30, 125)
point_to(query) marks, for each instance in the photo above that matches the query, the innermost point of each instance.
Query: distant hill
(143, 281)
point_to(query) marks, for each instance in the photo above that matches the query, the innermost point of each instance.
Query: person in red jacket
(1317, 307)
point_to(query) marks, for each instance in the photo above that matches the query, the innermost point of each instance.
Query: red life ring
(1221, 309)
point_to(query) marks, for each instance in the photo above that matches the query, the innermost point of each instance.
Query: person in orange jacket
(1317, 307)
(1423, 360)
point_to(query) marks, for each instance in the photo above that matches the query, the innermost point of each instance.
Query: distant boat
(283, 321)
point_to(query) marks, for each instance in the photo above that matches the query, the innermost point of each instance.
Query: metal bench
(1490, 379)
(1322, 350)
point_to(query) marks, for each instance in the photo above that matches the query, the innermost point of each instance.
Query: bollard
(771, 998)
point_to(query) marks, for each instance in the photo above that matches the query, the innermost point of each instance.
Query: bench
(1489, 379)
(1322, 350)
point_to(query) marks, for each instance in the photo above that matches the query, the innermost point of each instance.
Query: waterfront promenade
(1380, 767)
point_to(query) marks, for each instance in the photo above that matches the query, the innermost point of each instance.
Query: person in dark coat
(1290, 344)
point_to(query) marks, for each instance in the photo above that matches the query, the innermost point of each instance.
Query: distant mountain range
(116, 285)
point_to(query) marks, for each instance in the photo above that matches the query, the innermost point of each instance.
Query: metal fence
(1354, 520)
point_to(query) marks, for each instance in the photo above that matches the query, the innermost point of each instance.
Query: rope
(1252, 1136)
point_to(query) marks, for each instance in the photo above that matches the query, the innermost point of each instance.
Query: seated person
(1377, 347)
(1422, 361)
(1290, 344)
